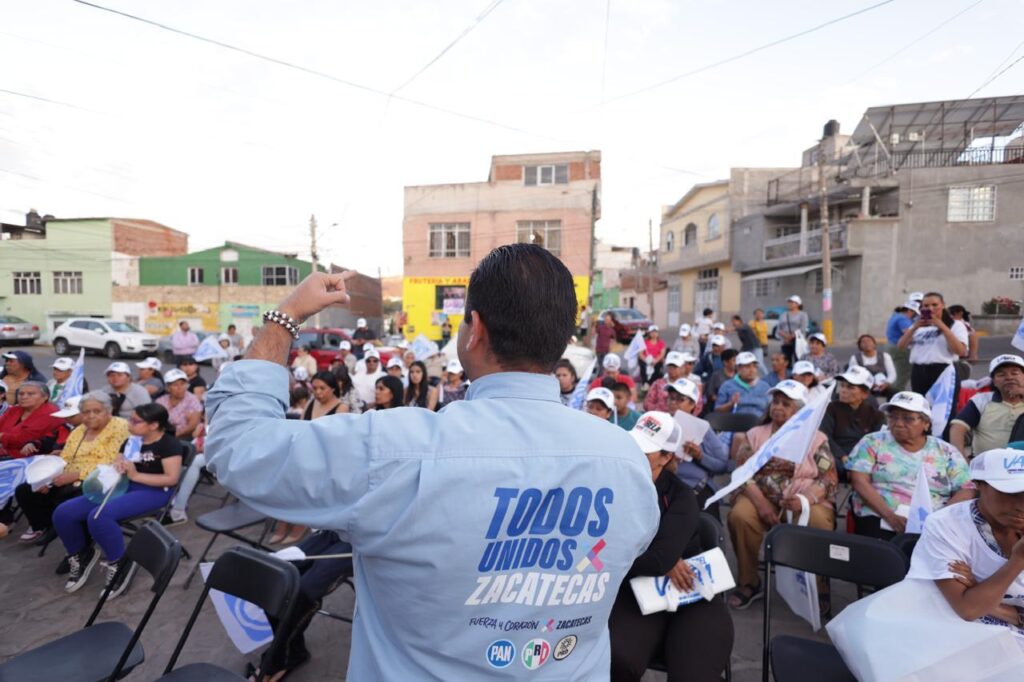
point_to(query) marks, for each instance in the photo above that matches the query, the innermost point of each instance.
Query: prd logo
(501, 653)
(535, 653)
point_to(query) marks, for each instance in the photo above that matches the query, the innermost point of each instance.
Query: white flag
(12, 474)
(940, 396)
(210, 349)
(790, 443)
(133, 449)
(246, 624)
(920, 503)
(75, 382)
(579, 396)
(423, 347)
(1018, 338)
(635, 346)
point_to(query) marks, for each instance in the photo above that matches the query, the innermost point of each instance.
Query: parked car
(165, 353)
(630, 322)
(324, 346)
(113, 338)
(16, 330)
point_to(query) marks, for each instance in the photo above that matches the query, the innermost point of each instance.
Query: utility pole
(313, 258)
(650, 267)
(826, 247)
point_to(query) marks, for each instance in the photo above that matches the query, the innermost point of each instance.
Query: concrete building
(609, 262)
(696, 238)
(54, 269)
(921, 197)
(548, 199)
(633, 293)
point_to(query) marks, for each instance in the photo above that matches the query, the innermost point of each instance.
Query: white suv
(111, 337)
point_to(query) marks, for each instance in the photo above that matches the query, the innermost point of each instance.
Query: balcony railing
(792, 246)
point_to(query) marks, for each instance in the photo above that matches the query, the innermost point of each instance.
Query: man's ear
(477, 332)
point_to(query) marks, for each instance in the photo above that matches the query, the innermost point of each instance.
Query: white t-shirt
(366, 384)
(703, 326)
(886, 367)
(951, 535)
(929, 345)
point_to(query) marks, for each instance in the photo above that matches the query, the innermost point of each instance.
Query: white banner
(246, 624)
(210, 349)
(12, 474)
(712, 575)
(1018, 338)
(635, 346)
(579, 395)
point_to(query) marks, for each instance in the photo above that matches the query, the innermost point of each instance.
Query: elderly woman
(30, 420)
(852, 417)
(185, 410)
(18, 368)
(304, 359)
(152, 478)
(974, 551)
(695, 640)
(94, 441)
(879, 363)
(825, 364)
(775, 488)
(883, 468)
(454, 384)
(698, 462)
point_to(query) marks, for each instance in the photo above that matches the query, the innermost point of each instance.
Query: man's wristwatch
(283, 319)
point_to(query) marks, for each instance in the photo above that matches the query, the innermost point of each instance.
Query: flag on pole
(790, 443)
(424, 347)
(633, 351)
(940, 397)
(579, 396)
(75, 382)
(133, 449)
(1018, 338)
(210, 349)
(246, 624)
(920, 503)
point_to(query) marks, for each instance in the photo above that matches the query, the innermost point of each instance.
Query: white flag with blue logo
(635, 346)
(790, 442)
(579, 396)
(75, 383)
(940, 396)
(210, 349)
(1018, 338)
(133, 449)
(12, 474)
(246, 624)
(424, 347)
(920, 503)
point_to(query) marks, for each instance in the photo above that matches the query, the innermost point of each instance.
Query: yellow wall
(163, 319)
(712, 200)
(729, 290)
(419, 303)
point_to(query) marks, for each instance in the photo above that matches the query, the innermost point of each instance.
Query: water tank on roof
(831, 128)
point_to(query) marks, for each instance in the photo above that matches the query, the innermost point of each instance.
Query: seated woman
(420, 393)
(150, 377)
(184, 408)
(702, 460)
(27, 421)
(152, 480)
(974, 551)
(852, 417)
(883, 468)
(388, 393)
(805, 373)
(774, 488)
(825, 364)
(879, 363)
(695, 641)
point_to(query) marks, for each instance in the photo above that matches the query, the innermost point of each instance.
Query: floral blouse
(83, 456)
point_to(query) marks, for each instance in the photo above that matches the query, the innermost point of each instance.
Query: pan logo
(501, 653)
(535, 653)
(249, 617)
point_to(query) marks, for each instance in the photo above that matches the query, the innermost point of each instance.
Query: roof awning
(783, 272)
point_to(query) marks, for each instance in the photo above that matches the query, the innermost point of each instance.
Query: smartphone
(926, 314)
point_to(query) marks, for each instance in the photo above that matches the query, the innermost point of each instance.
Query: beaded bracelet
(286, 321)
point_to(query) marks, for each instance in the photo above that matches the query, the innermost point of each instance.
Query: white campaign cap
(300, 373)
(453, 367)
(395, 361)
(913, 305)
(745, 358)
(717, 340)
(611, 361)
(818, 336)
(653, 328)
(1006, 359)
(796, 299)
(674, 358)
(909, 401)
(689, 357)
(657, 431)
(602, 395)
(148, 363)
(174, 375)
(791, 389)
(916, 296)
(63, 364)
(361, 322)
(344, 345)
(119, 367)
(803, 367)
(718, 326)
(685, 387)
(70, 408)
(370, 352)
(1002, 468)
(857, 376)
(685, 329)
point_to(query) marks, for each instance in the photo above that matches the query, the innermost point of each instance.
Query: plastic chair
(853, 558)
(732, 422)
(103, 651)
(228, 521)
(906, 543)
(250, 575)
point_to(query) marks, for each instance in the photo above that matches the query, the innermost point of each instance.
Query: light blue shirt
(490, 538)
(753, 399)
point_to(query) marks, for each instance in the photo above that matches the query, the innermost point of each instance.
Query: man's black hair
(728, 354)
(525, 298)
(619, 387)
(708, 311)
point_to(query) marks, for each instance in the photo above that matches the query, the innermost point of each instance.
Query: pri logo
(501, 653)
(535, 653)
(565, 646)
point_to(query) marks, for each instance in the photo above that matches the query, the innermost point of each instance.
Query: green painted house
(232, 264)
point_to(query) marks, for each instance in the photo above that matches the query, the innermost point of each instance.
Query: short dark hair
(708, 311)
(231, 326)
(298, 394)
(737, 317)
(728, 354)
(525, 297)
(620, 387)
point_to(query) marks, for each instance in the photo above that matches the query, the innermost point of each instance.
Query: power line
(742, 55)
(997, 75)
(44, 99)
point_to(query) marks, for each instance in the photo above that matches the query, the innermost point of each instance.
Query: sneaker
(174, 518)
(118, 586)
(80, 566)
(30, 536)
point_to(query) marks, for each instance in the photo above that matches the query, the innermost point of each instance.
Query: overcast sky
(147, 123)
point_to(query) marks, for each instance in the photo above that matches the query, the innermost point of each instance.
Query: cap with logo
(857, 376)
(818, 336)
(913, 305)
(795, 299)
(70, 408)
(674, 358)
(1002, 468)
(745, 358)
(717, 340)
(790, 389)
(718, 327)
(603, 395)
(916, 296)
(1005, 359)
(652, 328)
(395, 361)
(361, 322)
(611, 361)
(370, 352)
(803, 367)
(909, 401)
(685, 329)
(345, 345)
(656, 432)
(173, 375)
(686, 388)
(689, 358)
(118, 367)
(63, 364)
(453, 367)
(150, 363)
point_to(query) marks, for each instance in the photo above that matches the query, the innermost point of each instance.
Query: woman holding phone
(935, 340)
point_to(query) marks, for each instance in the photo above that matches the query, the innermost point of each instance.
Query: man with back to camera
(489, 538)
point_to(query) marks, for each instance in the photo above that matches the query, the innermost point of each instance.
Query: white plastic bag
(908, 632)
(799, 588)
(800, 345)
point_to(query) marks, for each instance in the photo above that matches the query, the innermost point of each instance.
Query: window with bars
(763, 287)
(67, 282)
(195, 276)
(670, 241)
(971, 204)
(546, 233)
(707, 273)
(280, 276)
(229, 275)
(448, 240)
(27, 283)
(1017, 272)
(555, 174)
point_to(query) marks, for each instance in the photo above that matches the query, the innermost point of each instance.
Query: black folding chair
(228, 521)
(906, 543)
(250, 575)
(853, 558)
(732, 422)
(103, 651)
